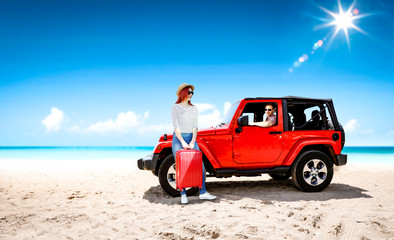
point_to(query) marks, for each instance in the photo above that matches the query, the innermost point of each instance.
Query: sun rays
(342, 21)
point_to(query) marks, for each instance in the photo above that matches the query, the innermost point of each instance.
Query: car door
(258, 145)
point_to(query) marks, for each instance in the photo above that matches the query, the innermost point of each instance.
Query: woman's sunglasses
(269, 110)
(190, 92)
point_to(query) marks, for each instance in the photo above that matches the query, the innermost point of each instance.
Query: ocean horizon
(74, 152)
(356, 154)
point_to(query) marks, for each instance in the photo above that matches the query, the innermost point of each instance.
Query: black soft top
(292, 98)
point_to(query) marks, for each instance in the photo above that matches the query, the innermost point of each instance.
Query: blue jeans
(177, 145)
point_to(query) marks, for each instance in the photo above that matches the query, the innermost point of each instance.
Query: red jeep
(304, 144)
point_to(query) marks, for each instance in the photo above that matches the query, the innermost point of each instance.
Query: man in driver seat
(270, 119)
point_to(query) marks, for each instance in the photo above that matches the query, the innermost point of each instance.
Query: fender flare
(291, 156)
(159, 147)
(210, 156)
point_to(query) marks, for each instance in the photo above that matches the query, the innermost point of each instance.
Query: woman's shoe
(184, 199)
(206, 196)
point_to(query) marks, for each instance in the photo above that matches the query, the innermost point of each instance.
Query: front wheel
(312, 171)
(167, 178)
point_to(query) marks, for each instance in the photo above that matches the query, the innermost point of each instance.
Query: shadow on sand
(267, 191)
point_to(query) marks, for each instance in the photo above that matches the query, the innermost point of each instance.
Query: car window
(256, 111)
(312, 110)
(230, 113)
(308, 116)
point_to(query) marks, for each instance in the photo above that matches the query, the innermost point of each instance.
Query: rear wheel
(312, 171)
(167, 178)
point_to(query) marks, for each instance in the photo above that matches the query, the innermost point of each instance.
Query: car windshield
(230, 113)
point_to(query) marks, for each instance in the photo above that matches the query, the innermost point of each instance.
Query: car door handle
(280, 132)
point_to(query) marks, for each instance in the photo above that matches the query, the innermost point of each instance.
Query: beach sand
(112, 199)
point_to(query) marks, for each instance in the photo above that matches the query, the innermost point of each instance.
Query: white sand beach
(112, 199)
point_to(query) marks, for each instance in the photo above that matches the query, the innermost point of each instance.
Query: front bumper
(341, 159)
(148, 162)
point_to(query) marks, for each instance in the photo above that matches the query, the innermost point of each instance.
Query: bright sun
(343, 20)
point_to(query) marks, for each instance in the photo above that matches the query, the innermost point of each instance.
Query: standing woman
(184, 119)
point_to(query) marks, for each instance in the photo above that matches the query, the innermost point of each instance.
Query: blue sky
(105, 73)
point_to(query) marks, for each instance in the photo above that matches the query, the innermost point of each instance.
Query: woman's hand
(185, 145)
(191, 145)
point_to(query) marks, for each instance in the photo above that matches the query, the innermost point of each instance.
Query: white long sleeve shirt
(184, 118)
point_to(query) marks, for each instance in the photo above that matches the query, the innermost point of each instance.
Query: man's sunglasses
(269, 110)
(190, 92)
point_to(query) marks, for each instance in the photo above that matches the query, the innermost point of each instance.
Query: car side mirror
(243, 120)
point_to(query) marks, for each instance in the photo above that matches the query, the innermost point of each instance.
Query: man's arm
(262, 124)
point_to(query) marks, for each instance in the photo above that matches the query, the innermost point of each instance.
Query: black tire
(279, 176)
(167, 178)
(312, 171)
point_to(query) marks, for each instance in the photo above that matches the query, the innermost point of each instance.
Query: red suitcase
(188, 164)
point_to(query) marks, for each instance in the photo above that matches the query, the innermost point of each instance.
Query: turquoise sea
(132, 153)
(378, 155)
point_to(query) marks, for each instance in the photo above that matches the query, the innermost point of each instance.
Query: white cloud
(54, 120)
(203, 107)
(123, 123)
(209, 115)
(368, 131)
(210, 119)
(74, 128)
(351, 126)
(130, 121)
(155, 128)
(227, 106)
